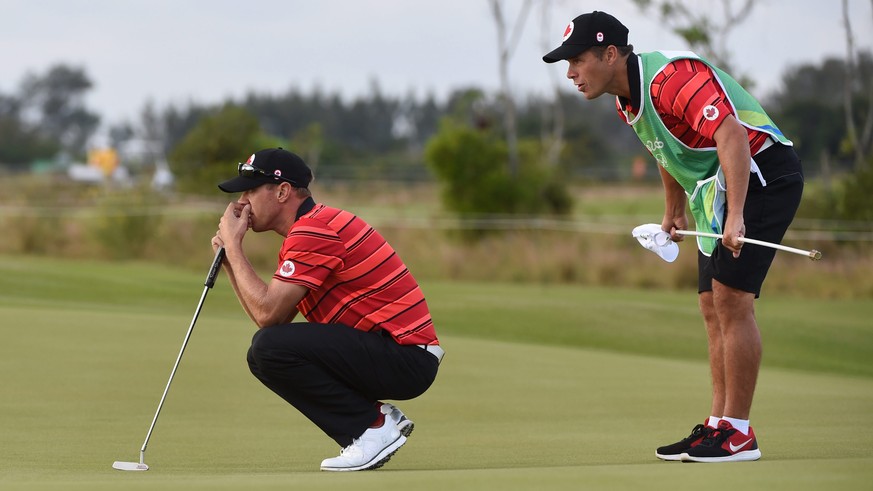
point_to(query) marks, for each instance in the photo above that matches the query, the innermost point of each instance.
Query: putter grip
(213, 271)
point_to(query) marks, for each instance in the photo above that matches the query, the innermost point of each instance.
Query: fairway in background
(830, 335)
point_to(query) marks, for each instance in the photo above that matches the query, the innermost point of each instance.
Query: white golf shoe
(369, 451)
(404, 425)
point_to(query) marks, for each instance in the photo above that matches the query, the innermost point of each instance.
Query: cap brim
(239, 184)
(565, 52)
(656, 240)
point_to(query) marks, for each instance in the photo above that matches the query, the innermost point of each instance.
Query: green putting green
(541, 388)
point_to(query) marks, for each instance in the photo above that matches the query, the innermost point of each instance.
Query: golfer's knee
(253, 364)
(275, 349)
(264, 341)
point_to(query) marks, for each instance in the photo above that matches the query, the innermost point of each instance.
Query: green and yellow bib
(697, 170)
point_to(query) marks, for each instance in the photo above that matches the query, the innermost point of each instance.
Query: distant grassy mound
(592, 246)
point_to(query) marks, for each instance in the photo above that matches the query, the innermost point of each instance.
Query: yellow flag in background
(105, 159)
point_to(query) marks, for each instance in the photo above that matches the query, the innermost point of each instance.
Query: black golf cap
(593, 29)
(278, 162)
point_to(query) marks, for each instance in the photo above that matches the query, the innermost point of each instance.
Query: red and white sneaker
(674, 451)
(724, 444)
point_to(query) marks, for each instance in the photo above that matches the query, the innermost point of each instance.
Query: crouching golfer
(368, 333)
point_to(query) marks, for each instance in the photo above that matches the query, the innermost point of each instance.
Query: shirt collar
(633, 80)
(305, 207)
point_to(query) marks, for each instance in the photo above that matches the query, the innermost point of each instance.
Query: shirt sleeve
(310, 254)
(688, 90)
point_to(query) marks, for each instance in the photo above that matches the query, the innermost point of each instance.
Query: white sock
(741, 425)
(713, 421)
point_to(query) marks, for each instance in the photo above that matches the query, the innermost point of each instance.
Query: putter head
(130, 466)
(656, 240)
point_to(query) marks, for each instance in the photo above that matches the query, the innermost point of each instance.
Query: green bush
(471, 165)
(847, 198)
(210, 151)
(855, 202)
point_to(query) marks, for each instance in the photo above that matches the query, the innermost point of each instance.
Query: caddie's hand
(234, 223)
(672, 224)
(734, 228)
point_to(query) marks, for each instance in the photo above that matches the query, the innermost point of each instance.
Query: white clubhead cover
(656, 240)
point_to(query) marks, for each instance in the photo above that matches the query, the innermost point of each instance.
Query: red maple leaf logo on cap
(568, 31)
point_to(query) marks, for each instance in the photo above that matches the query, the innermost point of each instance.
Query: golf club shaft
(208, 284)
(812, 254)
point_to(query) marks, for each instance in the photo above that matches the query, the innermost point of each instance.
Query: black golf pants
(335, 374)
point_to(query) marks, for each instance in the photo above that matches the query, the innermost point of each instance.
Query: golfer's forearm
(250, 290)
(232, 278)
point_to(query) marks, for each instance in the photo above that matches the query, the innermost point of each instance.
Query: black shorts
(767, 213)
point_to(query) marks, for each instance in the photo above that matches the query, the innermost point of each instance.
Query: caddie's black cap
(587, 30)
(271, 165)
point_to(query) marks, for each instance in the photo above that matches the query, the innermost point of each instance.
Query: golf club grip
(213, 271)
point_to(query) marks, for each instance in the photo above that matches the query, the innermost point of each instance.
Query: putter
(658, 241)
(208, 284)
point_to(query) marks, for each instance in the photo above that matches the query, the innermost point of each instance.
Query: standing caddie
(367, 333)
(719, 154)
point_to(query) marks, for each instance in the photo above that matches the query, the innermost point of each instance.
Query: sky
(205, 51)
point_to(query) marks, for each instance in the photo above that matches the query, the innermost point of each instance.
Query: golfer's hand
(233, 224)
(216, 243)
(734, 228)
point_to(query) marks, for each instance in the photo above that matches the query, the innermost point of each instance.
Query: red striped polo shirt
(354, 277)
(681, 91)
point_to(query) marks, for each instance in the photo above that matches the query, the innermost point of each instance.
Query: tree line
(48, 115)
(386, 136)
